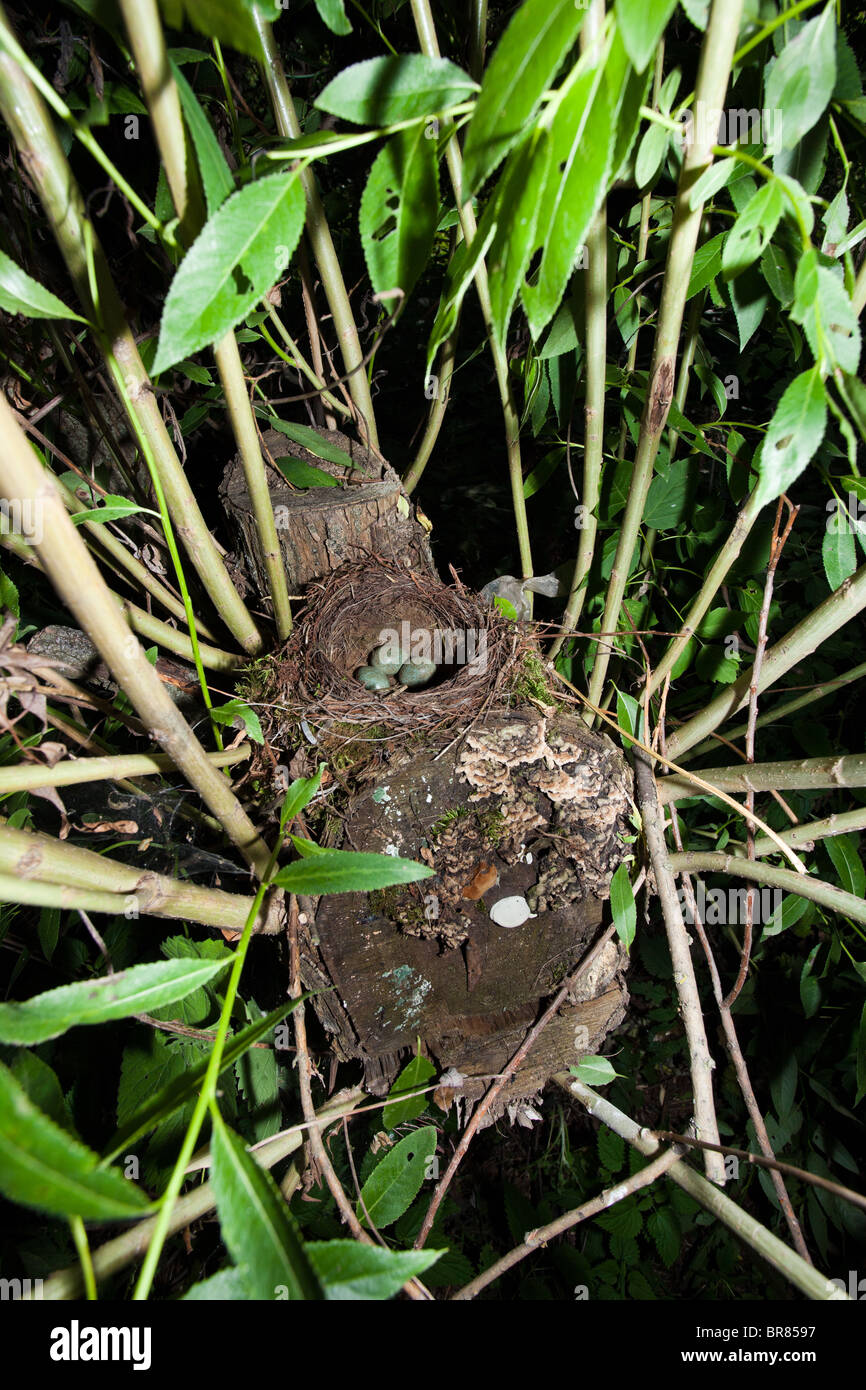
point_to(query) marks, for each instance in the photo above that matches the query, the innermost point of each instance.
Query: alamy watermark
(450, 646)
(718, 907)
(22, 516)
(710, 125)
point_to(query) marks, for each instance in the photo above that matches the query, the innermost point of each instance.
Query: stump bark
(321, 527)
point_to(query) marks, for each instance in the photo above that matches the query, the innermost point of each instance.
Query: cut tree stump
(321, 528)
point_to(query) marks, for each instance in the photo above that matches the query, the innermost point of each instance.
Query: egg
(382, 659)
(415, 673)
(372, 679)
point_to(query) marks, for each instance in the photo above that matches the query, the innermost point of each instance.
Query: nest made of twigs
(343, 621)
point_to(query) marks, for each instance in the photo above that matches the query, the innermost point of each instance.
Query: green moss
(531, 682)
(456, 813)
(492, 825)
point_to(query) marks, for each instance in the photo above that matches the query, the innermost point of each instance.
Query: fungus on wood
(483, 774)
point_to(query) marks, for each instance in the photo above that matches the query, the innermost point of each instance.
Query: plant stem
(73, 572)
(34, 135)
(804, 836)
(808, 774)
(29, 857)
(714, 71)
(73, 771)
(803, 885)
(319, 234)
(836, 610)
(79, 1237)
(429, 45)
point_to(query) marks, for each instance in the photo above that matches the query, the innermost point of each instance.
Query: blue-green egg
(372, 679)
(383, 659)
(415, 673)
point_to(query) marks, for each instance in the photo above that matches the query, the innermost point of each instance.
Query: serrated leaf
(229, 1285)
(43, 1166)
(43, 1088)
(417, 1073)
(408, 86)
(662, 1227)
(394, 1183)
(642, 23)
(749, 300)
(344, 871)
(513, 210)
(752, 230)
(257, 1226)
(524, 64)
(611, 1149)
(230, 21)
(240, 253)
(828, 320)
(461, 270)
(706, 265)
(21, 294)
(216, 177)
(349, 1270)
(581, 135)
(793, 436)
(399, 210)
(622, 906)
(800, 83)
(133, 991)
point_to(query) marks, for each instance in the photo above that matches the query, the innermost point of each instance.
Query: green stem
(815, 889)
(713, 74)
(429, 45)
(79, 1237)
(319, 234)
(836, 610)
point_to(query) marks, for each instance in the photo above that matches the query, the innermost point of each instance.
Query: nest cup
(348, 616)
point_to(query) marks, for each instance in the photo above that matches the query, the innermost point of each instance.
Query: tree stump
(321, 527)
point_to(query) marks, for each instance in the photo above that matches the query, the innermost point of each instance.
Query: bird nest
(356, 609)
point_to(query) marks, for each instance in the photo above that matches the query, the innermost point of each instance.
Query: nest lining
(343, 621)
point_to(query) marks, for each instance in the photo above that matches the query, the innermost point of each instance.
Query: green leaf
(526, 60)
(651, 154)
(216, 177)
(241, 251)
(753, 229)
(514, 211)
(349, 1270)
(838, 550)
(581, 139)
(257, 1226)
(239, 709)
(229, 1285)
(137, 1118)
(628, 714)
(749, 299)
(642, 23)
(230, 21)
(134, 991)
(333, 13)
(543, 471)
(313, 442)
(112, 508)
(461, 271)
(622, 906)
(793, 436)
(711, 181)
(299, 795)
(418, 1073)
(382, 91)
(400, 209)
(665, 1233)
(706, 265)
(302, 474)
(258, 1078)
(394, 1183)
(344, 871)
(43, 1088)
(43, 1166)
(668, 498)
(842, 849)
(594, 1071)
(800, 82)
(21, 294)
(828, 319)
(776, 270)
